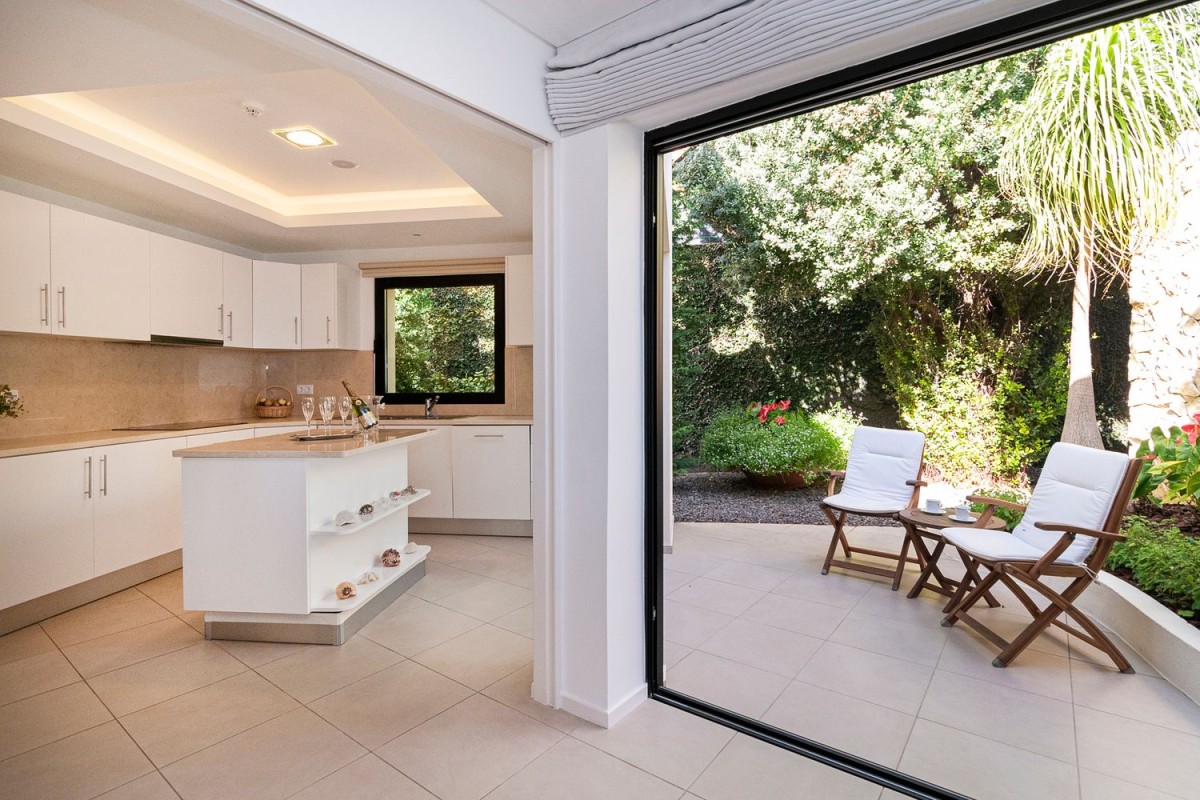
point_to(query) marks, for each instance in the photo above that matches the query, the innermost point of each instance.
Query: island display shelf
(388, 510)
(366, 591)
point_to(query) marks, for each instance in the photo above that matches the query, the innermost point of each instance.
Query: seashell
(345, 590)
(395, 495)
(366, 511)
(410, 548)
(410, 489)
(345, 518)
(390, 557)
(367, 577)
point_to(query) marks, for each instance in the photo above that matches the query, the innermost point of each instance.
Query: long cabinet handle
(489, 436)
(62, 306)
(104, 476)
(230, 315)
(87, 474)
(45, 303)
(221, 319)
(296, 322)
(328, 337)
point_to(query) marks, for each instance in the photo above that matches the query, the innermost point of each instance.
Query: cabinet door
(319, 300)
(276, 305)
(185, 289)
(518, 300)
(46, 527)
(430, 467)
(24, 264)
(491, 471)
(138, 492)
(101, 272)
(237, 294)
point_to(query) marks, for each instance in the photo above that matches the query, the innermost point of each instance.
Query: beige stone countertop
(285, 445)
(479, 420)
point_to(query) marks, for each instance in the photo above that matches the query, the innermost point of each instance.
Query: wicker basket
(274, 411)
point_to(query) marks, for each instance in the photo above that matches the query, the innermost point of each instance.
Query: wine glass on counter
(326, 412)
(344, 409)
(306, 407)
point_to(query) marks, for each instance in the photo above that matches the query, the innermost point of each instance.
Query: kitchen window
(440, 335)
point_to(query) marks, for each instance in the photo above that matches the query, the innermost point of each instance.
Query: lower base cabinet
(491, 471)
(137, 502)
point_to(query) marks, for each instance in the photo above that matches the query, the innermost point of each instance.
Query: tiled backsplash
(70, 385)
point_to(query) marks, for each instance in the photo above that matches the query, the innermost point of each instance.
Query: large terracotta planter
(781, 480)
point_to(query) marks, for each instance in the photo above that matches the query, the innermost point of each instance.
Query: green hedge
(781, 441)
(1164, 563)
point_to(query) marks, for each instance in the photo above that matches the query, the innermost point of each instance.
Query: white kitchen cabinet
(237, 300)
(101, 277)
(330, 301)
(491, 471)
(46, 530)
(430, 466)
(518, 300)
(185, 289)
(24, 264)
(277, 305)
(138, 515)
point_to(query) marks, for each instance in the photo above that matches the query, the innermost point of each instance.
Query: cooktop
(184, 426)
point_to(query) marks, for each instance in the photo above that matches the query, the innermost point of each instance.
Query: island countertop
(285, 445)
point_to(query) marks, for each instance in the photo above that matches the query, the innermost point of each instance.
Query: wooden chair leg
(838, 521)
(901, 562)
(964, 603)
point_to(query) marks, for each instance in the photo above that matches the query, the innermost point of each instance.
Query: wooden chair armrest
(996, 501)
(1074, 530)
(834, 476)
(916, 483)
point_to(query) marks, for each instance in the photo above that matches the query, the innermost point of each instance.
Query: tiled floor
(123, 698)
(752, 625)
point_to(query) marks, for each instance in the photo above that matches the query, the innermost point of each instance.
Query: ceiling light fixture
(304, 137)
(344, 163)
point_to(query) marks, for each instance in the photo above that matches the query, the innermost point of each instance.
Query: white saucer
(968, 518)
(933, 513)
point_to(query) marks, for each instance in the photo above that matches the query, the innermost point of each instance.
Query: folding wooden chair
(882, 478)
(1070, 525)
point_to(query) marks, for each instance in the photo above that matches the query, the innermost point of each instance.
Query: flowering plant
(10, 403)
(771, 439)
(1170, 465)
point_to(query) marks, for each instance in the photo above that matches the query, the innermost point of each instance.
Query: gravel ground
(729, 497)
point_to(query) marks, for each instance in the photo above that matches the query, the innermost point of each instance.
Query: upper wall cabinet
(237, 300)
(329, 299)
(24, 264)
(277, 306)
(518, 300)
(185, 290)
(101, 277)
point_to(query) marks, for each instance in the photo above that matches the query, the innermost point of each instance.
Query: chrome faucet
(431, 405)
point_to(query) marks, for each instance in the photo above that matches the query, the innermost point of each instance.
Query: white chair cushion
(1077, 487)
(881, 461)
(844, 501)
(992, 545)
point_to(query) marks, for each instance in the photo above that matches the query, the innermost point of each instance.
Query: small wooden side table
(919, 526)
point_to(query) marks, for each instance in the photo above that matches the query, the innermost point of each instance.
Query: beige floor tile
(1009, 625)
(48, 717)
(441, 580)
(847, 723)
(689, 625)
(380, 707)
(1147, 755)
(34, 675)
(672, 580)
(1139, 697)
(274, 760)
(751, 770)
(195, 619)
(488, 600)
(118, 612)
(725, 683)
(796, 615)
(316, 672)
(187, 724)
(493, 563)
(690, 563)
(1032, 671)
(368, 778)
(662, 740)
(1082, 651)
(1097, 786)
(779, 651)
(920, 644)
(256, 654)
(157, 679)
(881, 601)
(79, 766)
(572, 769)
(982, 768)
(418, 628)
(673, 653)
(448, 549)
(519, 621)
(480, 657)
(149, 787)
(879, 679)
(734, 532)
(751, 576)
(515, 690)
(834, 589)
(24, 643)
(166, 590)
(465, 752)
(521, 576)
(521, 545)
(723, 598)
(1020, 719)
(106, 653)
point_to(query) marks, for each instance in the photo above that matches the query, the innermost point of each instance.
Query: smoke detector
(253, 109)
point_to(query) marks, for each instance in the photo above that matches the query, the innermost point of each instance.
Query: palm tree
(1091, 154)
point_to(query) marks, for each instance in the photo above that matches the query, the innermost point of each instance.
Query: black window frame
(1042, 25)
(493, 279)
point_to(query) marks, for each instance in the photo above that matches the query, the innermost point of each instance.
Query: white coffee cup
(933, 506)
(962, 512)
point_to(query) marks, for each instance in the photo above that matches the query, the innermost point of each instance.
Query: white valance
(462, 266)
(674, 47)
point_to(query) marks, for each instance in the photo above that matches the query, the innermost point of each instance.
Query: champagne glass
(326, 412)
(344, 409)
(306, 406)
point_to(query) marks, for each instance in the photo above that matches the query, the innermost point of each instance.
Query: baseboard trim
(471, 527)
(605, 718)
(49, 605)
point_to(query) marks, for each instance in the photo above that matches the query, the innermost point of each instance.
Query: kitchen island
(264, 551)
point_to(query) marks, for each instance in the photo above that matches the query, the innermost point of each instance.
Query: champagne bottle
(362, 412)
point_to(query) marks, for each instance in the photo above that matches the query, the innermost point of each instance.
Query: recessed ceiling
(560, 21)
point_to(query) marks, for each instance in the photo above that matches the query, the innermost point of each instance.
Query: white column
(598, 419)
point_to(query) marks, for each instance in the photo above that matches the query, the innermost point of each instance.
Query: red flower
(785, 404)
(1192, 432)
(762, 414)
(780, 420)
(1196, 417)
(1149, 456)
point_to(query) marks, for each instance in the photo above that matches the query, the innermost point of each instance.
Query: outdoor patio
(752, 625)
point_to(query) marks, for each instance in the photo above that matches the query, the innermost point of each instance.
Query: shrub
(841, 422)
(1010, 517)
(770, 439)
(1164, 563)
(1170, 465)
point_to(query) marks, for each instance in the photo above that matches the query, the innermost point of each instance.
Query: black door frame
(1048, 23)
